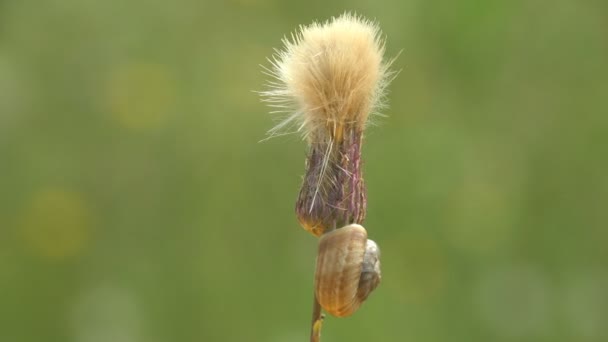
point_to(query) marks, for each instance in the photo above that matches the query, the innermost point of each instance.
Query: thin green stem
(317, 321)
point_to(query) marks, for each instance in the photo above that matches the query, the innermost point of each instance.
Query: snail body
(347, 270)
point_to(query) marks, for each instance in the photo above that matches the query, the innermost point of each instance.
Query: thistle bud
(331, 77)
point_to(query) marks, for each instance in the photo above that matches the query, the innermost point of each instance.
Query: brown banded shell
(347, 271)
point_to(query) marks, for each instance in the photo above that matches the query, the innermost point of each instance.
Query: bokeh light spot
(586, 305)
(140, 96)
(13, 92)
(107, 313)
(56, 224)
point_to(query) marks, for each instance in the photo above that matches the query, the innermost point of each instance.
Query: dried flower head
(329, 78)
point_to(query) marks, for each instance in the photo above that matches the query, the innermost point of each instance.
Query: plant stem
(317, 321)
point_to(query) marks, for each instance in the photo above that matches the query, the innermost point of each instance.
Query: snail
(347, 270)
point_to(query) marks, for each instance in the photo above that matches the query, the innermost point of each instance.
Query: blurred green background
(136, 203)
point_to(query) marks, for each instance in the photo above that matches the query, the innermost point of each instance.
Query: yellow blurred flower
(55, 224)
(140, 96)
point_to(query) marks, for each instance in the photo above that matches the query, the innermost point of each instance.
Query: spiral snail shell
(347, 270)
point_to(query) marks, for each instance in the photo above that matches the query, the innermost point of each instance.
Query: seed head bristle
(331, 77)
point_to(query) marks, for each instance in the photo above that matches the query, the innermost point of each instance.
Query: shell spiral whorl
(347, 270)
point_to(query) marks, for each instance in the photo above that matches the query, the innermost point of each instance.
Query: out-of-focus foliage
(136, 203)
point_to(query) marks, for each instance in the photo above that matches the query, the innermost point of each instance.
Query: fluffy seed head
(329, 78)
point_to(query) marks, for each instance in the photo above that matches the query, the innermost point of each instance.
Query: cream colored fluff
(331, 76)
